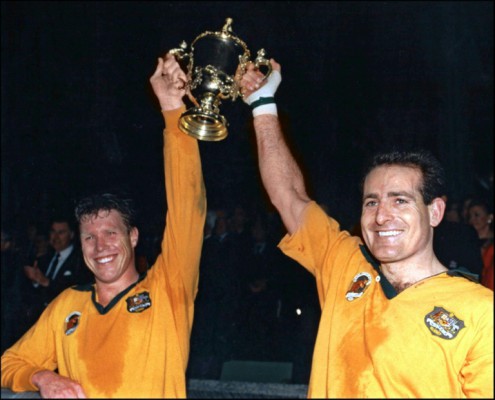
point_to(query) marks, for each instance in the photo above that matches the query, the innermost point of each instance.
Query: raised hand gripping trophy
(215, 63)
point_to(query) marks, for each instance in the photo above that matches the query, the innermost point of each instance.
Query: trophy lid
(221, 49)
(226, 34)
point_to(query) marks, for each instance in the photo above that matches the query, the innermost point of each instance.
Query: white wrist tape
(265, 109)
(267, 90)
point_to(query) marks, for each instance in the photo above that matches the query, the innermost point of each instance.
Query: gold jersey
(138, 345)
(433, 340)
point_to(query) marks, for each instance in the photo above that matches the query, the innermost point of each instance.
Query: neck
(106, 292)
(485, 233)
(401, 275)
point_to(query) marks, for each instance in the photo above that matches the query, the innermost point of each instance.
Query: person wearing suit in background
(57, 270)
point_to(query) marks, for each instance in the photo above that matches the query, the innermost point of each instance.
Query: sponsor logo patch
(72, 322)
(358, 286)
(139, 302)
(443, 323)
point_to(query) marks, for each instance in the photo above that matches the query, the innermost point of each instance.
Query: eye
(87, 238)
(370, 203)
(401, 201)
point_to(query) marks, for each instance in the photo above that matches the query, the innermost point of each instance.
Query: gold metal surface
(216, 62)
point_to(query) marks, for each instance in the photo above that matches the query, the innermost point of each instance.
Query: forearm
(280, 173)
(186, 198)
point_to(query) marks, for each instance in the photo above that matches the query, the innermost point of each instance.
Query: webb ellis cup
(215, 63)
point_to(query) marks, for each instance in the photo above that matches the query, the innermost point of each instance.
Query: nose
(383, 214)
(100, 243)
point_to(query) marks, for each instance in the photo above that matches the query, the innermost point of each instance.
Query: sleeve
(316, 239)
(321, 247)
(33, 352)
(186, 200)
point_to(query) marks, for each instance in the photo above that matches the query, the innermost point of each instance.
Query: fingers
(172, 70)
(251, 80)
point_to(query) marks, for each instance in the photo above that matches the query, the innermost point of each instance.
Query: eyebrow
(390, 194)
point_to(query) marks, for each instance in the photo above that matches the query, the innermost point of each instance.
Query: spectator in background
(63, 266)
(216, 305)
(456, 245)
(481, 218)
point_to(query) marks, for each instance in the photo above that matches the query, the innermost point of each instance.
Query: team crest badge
(139, 302)
(72, 322)
(359, 285)
(443, 324)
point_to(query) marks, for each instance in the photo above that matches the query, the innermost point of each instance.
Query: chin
(384, 256)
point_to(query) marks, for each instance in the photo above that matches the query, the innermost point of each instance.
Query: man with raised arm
(395, 322)
(127, 335)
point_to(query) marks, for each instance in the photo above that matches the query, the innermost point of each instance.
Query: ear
(436, 210)
(134, 234)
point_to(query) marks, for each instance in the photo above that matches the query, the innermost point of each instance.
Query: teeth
(104, 260)
(388, 233)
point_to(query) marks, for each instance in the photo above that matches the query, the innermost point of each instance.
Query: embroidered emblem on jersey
(139, 302)
(443, 324)
(358, 286)
(72, 322)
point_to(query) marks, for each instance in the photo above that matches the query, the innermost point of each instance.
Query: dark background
(78, 113)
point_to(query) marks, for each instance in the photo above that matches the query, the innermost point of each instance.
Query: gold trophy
(215, 62)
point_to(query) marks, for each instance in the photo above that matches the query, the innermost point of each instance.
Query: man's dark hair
(433, 174)
(63, 217)
(92, 205)
(481, 202)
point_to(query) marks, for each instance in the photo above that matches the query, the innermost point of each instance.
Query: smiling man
(395, 322)
(126, 335)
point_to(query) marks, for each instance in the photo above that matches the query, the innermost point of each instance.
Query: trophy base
(203, 125)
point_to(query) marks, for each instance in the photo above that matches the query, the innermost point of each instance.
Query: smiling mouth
(388, 233)
(104, 260)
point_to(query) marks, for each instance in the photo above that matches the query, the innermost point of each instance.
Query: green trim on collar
(86, 287)
(103, 310)
(464, 273)
(387, 287)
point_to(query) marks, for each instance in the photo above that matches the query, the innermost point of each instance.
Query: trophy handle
(184, 59)
(261, 60)
(180, 52)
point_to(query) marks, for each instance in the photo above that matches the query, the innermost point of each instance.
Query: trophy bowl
(215, 63)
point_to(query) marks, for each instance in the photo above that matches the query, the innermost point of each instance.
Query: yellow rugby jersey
(433, 340)
(137, 346)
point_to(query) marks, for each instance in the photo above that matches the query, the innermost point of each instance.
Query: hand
(34, 273)
(54, 386)
(169, 83)
(252, 81)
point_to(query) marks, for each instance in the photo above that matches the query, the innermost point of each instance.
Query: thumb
(159, 67)
(275, 65)
(35, 265)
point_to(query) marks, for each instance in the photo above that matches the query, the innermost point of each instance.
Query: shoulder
(471, 294)
(68, 298)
